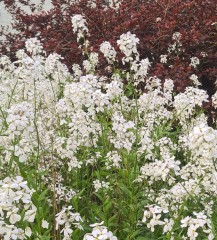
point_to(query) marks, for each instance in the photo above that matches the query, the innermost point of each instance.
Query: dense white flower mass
(78, 148)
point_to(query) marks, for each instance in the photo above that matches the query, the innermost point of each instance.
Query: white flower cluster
(141, 70)
(114, 3)
(99, 232)
(108, 51)
(99, 184)
(91, 63)
(20, 119)
(153, 216)
(186, 102)
(16, 205)
(203, 142)
(20, 122)
(176, 46)
(77, 71)
(113, 160)
(33, 46)
(79, 26)
(146, 143)
(177, 36)
(63, 193)
(163, 58)
(164, 169)
(200, 221)
(5, 60)
(124, 137)
(151, 105)
(128, 46)
(114, 89)
(51, 63)
(168, 90)
(194, 62)
(161, 170)
(66, 220)
(194, 79)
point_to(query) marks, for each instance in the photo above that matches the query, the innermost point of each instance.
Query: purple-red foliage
(153, 22)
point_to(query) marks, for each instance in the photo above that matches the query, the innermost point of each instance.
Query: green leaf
(125, 189)
(42, 195)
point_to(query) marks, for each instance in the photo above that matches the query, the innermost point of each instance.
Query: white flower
(194, 62)
(203, 54)
(17, 234)
(96, 224)
(185, 222)
(93, 58)
(168, 225)
(192, 232)
(52, 62)
(177, 36)
(163, 58)
(13, 216)
(194, 78)
(87, 66)
(185, 103)
(211, 236)
(100, 185)
(155, 220)
(45, 224)
(141, 70)
(77, 70)
(146, 215)
(124, 137)
(28, 231)
(30, 214)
